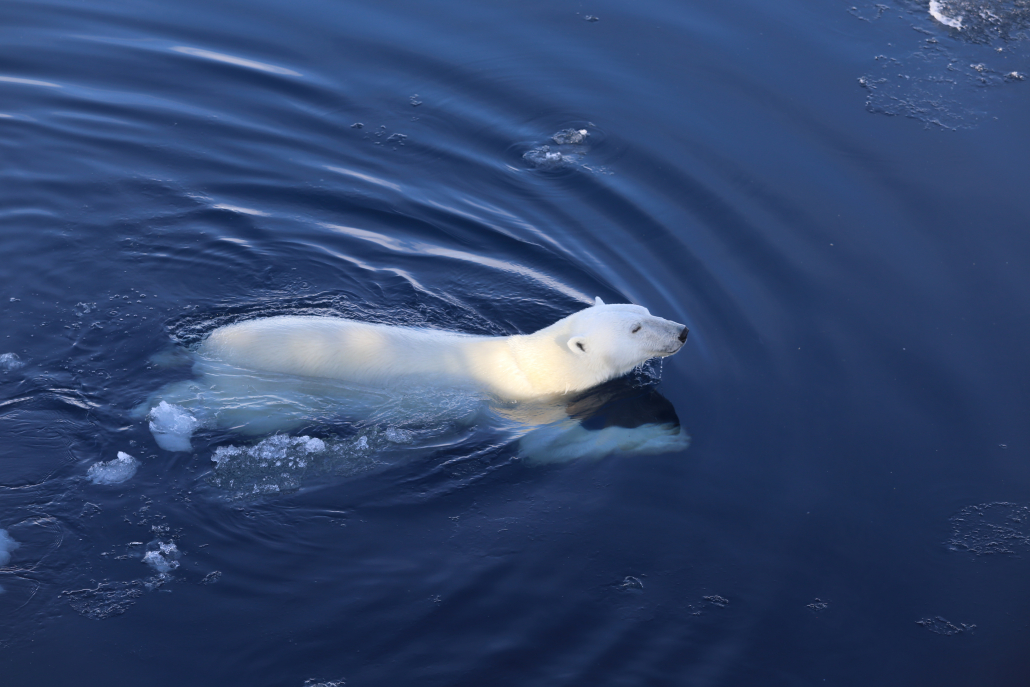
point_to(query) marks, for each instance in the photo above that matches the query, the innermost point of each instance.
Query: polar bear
(575, 353)
(265, 376)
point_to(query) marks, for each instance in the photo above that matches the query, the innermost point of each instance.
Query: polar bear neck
(549, 367)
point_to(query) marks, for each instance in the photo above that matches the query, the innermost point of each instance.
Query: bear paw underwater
(576, 353)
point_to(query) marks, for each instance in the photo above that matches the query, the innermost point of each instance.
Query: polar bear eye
(636, 329)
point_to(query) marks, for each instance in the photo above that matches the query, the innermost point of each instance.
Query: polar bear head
(600, 343)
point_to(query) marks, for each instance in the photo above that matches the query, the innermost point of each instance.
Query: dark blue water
(832, 198)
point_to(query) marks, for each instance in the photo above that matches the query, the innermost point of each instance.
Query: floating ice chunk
(10, 361)
(162, 557)
(567, 136)
(172, 426)
(7, 545)
(937, 12)
(114, 471)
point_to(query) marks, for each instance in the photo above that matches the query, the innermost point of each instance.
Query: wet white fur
(573, 354)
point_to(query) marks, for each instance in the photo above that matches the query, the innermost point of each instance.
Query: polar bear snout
(683, 335)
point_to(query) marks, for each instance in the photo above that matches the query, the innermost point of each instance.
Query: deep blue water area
(832, 197)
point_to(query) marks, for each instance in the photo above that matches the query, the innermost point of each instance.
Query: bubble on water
(280, 463)
(114, 471)
(991, 528)
(211, 577)
(942, 626)
(106, 599)
(10, 362)
(162, 556)
(717, 601)
(172, 426)
(631, 582)
(818, 605)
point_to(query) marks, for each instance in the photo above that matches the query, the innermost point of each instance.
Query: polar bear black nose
(683, 335)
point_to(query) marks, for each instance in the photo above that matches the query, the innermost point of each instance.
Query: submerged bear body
(576, 353)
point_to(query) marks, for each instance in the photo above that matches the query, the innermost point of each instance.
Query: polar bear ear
(598, 301)
(578, 345)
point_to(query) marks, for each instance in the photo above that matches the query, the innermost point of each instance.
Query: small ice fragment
(171, 426)
(544, 158)
(631, 583)
(10, 361)
(399, 436)
(570, 136)
(936, 11)
(313, 445)
(361, 443)
(211, 577)
(591, 17)
(7, 545)
(114, 471)
(162, 557)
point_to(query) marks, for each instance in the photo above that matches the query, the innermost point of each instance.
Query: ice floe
(114, 471)
(172, 426)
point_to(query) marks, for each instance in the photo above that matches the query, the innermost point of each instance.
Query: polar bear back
(365, 353)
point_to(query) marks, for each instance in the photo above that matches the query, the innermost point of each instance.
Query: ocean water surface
(832, 197)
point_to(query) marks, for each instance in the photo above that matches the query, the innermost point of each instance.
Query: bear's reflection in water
(623, 416)
(620, 416)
